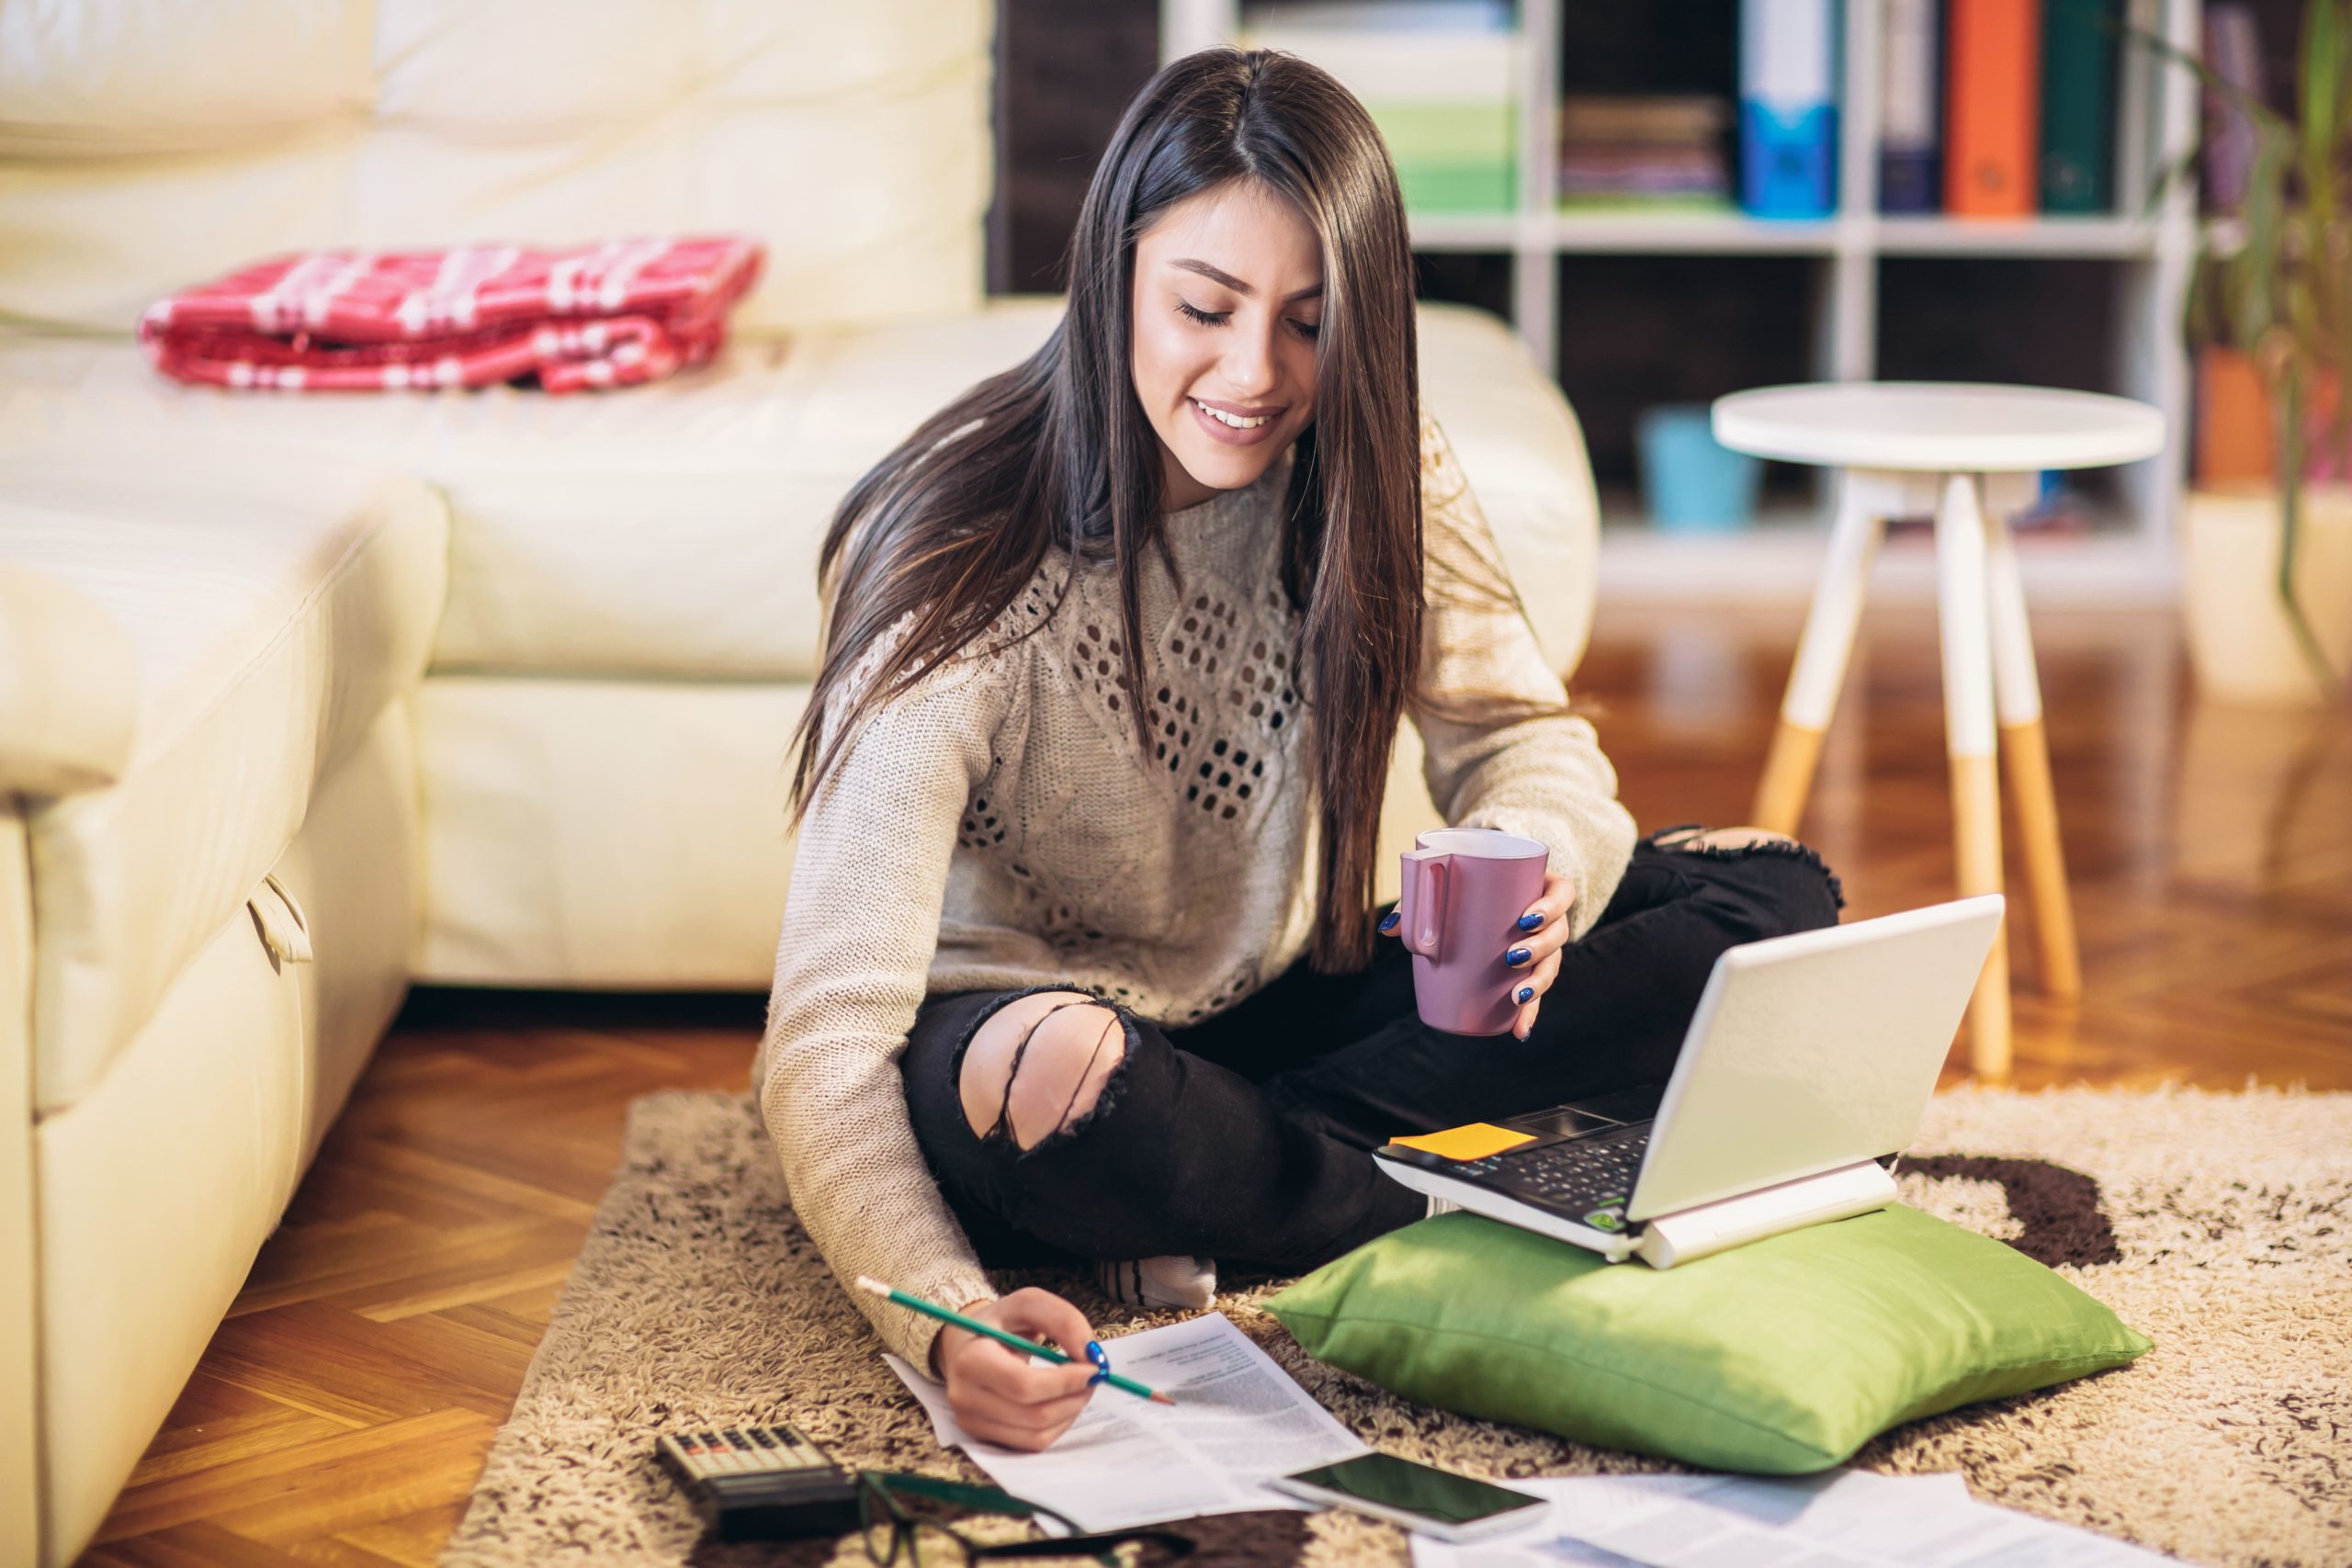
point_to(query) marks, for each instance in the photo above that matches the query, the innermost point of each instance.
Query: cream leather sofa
(303, 699)
(210, 884)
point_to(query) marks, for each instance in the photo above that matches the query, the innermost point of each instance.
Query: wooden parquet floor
(343, 1410)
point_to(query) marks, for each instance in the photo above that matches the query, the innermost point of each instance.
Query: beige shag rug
(2219, 1225)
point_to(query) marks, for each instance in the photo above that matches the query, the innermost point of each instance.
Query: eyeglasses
(892, 1532)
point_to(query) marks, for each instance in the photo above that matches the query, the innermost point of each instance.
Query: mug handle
(1422, 899)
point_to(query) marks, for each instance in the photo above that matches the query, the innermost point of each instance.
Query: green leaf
(2322, 84)
(2289, 398)
(2199, 321)
(2252, 273)
(2183, 169)
(2171, 172)
(2326, 97)
(2237, 97)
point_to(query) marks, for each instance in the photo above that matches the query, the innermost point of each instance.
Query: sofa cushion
(69, 686)
(672, 531)
(158, 1186)
(275, 601)
(605, 833)
(144, 149)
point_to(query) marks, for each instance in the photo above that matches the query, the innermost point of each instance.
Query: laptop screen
(1813, 1051)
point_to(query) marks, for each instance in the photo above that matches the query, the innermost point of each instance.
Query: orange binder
(1992, 107)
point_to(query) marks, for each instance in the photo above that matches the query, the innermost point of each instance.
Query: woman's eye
(1307, 329)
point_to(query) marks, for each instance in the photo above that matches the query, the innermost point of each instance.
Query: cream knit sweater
(994, 828)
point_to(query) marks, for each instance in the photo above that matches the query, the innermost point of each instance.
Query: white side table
(1970, 455)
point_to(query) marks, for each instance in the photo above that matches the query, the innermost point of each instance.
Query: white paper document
(1238, 1419)
(1841, 1518)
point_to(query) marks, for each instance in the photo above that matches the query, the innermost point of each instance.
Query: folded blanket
(606, 315)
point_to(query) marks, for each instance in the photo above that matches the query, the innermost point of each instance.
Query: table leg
(1822, 655)
(2025, 764)
(1961, 604)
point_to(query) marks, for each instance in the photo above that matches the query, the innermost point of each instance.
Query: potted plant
(2268, 570)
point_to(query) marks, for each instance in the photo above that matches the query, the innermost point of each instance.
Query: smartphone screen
(1400, 1484)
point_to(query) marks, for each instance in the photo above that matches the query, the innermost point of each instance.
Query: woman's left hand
(1544, 932)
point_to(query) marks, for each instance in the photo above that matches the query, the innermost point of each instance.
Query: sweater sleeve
(1542, 775)
(861, 922)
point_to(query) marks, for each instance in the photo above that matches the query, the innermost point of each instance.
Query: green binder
(2079, 39)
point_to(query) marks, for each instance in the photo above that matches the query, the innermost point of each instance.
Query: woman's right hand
(1004, 1396)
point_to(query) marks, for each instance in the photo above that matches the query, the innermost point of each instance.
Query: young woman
(1079, 960)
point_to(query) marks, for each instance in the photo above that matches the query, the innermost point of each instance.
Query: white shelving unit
(2133, 560)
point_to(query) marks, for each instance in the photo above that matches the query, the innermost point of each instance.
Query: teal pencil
(873, 1286)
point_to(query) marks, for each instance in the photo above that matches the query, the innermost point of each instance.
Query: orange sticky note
(1476, 1141)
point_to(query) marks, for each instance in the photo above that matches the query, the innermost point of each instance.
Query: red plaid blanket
(607, 315)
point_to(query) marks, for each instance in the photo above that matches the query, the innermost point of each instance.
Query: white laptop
(1806, 1067)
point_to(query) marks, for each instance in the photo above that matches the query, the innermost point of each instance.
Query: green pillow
(1782, 1357)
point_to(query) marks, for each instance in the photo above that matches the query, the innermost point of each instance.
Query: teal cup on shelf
(1691, 482)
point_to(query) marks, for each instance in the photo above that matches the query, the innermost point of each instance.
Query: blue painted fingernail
(1515, 957)
(1525, 992)
(1530, 921)
(1388, 921)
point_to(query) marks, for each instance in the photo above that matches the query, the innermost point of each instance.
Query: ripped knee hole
(1743, 842)
(1722, 838)
(1038, 1065)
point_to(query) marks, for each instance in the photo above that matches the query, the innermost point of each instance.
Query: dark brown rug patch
(2058, 1210)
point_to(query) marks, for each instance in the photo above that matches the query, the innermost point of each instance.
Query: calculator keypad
(743, 1451)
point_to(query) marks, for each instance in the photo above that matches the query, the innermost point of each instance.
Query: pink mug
(1465, 889)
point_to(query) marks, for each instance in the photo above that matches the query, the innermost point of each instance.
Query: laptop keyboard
(1587, 1178)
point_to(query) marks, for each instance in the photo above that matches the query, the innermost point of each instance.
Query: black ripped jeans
(1244, 1137)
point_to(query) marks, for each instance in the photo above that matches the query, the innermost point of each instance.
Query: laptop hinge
(1835, 1195)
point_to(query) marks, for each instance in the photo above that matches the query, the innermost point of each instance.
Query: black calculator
(761, 1482)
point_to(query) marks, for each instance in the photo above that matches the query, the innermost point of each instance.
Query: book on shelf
(2232, 52)
(1662, 152)
(1993, 108)
(1383, 16)
(1788, 107)
(1910, 130)
(1439, 77)
(2060, 508)
(2080, 40)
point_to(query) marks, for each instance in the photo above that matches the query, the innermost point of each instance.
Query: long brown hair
(956, 519)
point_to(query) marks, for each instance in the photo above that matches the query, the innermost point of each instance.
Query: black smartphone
(1435, 1502)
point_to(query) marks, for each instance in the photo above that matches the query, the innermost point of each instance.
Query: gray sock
(1166, 1282)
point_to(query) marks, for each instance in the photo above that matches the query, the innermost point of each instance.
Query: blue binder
(1910, 133)
(1788, 107)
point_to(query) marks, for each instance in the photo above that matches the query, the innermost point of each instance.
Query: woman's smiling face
(1244, 258)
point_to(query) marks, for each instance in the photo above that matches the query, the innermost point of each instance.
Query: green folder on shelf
(1458, 187)
(1459, 132)
(2079, 39)
(1451, 157)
